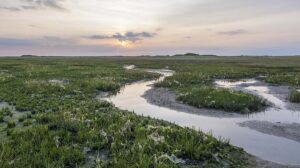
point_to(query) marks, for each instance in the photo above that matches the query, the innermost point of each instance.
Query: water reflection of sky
(267, 147)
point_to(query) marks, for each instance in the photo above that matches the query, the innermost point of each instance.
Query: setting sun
(125, 44)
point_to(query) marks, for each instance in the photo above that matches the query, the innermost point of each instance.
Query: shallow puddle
(268, 147)
(128, 67)
(15, 117)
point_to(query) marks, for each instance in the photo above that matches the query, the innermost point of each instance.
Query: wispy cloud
(52, 46)
(39, 4)
(44, 41)
(128, 36)
(9, 8)
(233, 32)
(36, 5)
(16, 42)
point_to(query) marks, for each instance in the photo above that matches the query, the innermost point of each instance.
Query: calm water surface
(268, 147)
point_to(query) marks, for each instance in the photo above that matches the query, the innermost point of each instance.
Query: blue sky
(143, 27)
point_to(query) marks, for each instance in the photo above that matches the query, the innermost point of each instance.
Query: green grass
(193, 73)
(6, 112)
(294, 96)
(195, 87)
(292, 79)
(11, 124)
(224, 99)
(1, 118)
(65, 119)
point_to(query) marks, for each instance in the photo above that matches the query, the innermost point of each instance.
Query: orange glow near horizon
(110, 27)
(125, 44)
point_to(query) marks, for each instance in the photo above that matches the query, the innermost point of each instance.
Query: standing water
(267, 147)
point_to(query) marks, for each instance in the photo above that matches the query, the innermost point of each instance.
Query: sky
(149, 27)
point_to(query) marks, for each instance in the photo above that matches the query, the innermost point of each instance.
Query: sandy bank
(289, 131)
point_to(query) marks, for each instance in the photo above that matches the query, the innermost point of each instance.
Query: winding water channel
(265, 146)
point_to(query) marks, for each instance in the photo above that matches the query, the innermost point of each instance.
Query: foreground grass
(67, 127)
(129, 140)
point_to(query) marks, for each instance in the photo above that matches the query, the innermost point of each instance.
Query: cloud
(9, 8)
(16, 42)
(99, 37)
(44, 41)
(56, 41)
(36, 5)
(33, 26)
(233, 32)
(159, 29)
(128, 36)
(52, 46)
(39, 4)
(217, 12)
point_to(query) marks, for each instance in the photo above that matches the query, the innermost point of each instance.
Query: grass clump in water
(11, 124)
(294, 96)
(224, 99)
(6, 112)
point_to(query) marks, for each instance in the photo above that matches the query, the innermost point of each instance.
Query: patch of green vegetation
(292, 79)
(27, 123)
(194, 86)
(1, 118)
(294, 96)
(6, 112)
(130, 140)
(67, 125)
(224, 99)
(193, 73)
(11, 124)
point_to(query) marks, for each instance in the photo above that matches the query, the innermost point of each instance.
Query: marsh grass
(224, 99)
(64, 121)
(196, 88)
(6, 112)
(294, 96)
(11, 124)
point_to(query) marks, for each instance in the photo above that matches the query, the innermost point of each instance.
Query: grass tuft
(294, 96)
